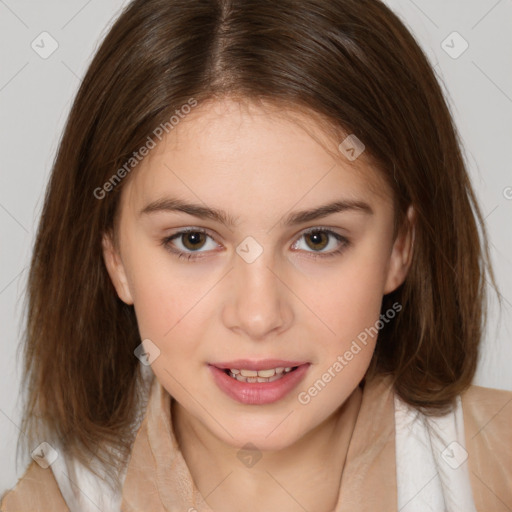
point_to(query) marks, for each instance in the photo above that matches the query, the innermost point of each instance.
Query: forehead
(231, 152)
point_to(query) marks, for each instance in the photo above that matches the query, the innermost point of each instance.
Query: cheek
(349, 303)
(348, 297)
(347, 348)
(167, 299)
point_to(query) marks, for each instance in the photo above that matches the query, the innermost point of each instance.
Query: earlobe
(401, 254)
(115, 269)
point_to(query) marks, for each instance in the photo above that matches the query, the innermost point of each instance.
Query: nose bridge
(258, 303)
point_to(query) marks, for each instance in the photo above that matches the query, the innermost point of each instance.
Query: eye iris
(317, 237)
(195, 238)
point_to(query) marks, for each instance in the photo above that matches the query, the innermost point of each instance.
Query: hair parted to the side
(352, 62)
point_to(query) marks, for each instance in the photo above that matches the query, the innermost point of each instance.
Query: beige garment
(158, 478)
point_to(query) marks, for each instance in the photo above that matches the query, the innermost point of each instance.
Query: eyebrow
(300, 217)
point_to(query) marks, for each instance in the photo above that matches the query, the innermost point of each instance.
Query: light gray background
(36, 95)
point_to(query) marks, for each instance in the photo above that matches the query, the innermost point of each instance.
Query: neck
(304, 475)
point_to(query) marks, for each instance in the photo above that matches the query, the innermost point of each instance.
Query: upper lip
(262, 364)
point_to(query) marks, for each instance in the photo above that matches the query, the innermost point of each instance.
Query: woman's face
(269, 276)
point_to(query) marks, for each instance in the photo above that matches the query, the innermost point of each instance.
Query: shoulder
(487, 414)
(488, 431)
(35, 491)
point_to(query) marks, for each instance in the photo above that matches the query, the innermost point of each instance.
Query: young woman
(258, 281)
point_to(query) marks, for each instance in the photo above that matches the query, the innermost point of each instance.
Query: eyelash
(166, 242)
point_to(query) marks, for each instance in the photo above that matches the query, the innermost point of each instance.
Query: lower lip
(258, 393)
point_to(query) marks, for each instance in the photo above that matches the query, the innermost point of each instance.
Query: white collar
(431, 461)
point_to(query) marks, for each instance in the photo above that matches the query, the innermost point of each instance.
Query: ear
(115, 269)
(401, 254)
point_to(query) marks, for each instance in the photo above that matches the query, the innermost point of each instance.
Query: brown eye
(317, 240)
(321, 243)
(193, 240)
(190, 244)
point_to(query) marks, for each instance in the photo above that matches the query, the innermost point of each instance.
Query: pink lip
(258, 393)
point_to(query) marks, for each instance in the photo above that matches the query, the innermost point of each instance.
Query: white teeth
(249, 373)
(266, 373)
(252, 376)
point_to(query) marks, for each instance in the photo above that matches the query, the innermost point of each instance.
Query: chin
(270, 435)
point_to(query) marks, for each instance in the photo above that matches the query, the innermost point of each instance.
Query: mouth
(258, 382)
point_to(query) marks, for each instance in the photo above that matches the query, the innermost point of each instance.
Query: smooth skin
(299, 300)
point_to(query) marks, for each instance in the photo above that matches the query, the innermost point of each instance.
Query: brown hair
(352, 62)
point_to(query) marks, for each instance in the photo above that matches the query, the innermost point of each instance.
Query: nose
(258, 303)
